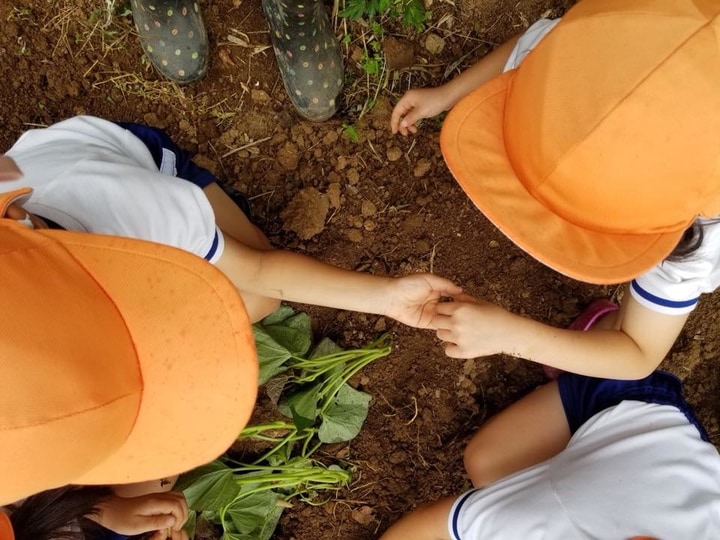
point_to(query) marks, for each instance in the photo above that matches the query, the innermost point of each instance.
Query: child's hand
(164, 513)
(412, 299)
(472, 327)
(418, 104)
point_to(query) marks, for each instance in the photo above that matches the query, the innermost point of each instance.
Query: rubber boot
(173, 37)
(308, 55)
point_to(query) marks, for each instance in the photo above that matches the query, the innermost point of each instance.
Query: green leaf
(326, 347)
(300, 321)
(351, 133)
(233, 536)
(255, 516)
(354, 9)
(278, 316)
(414, 15)
(303, 405)
(284, 408)
(209, 487)
(275, 386)
(295, 333)
(344, 418)
(189, 526)
(377, 30)
(271, 355)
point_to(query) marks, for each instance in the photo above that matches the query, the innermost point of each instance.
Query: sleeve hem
(454, 516)
(217, 247)
(661, 305)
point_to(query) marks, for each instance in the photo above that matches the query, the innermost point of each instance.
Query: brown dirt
(390, 207)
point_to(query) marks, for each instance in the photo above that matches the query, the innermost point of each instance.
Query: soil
(381, 204)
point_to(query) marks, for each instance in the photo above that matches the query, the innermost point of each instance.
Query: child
(92, 175)
(613, 459)
(122, 361)
(596, 154)
(96, 513)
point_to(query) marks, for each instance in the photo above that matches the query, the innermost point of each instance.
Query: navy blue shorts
(583, 397)
(157, 140)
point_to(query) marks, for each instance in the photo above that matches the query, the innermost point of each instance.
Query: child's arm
(290, 276)
(422, 103)
(428, 522)
(633, 348)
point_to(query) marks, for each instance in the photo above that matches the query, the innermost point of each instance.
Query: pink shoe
(587, 318)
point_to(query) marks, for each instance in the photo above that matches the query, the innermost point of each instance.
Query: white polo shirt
(636, 469)
(672, 288)
(92, 175)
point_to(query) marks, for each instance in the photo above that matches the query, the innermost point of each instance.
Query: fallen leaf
(236, 37)
(225, 58)
(363, 515)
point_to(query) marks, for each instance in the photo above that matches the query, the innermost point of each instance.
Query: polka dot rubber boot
(173, 36)
(308, 55)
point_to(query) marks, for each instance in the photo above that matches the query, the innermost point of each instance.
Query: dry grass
(79, 27)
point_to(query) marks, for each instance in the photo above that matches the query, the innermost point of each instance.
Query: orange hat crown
(601, 148)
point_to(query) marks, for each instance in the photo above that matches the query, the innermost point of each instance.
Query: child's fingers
(400, 110)
(179, 535)
(408, 123)
(440, 321)
(444, 334)
(453, 351)
(466, 298)
(443, 285)
(155, 523)
(181, 510)
(161, 534)
(446, 309)
(170, 509)
(169, 534)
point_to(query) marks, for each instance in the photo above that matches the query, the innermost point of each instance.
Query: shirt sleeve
(674, 287)
(92, 175)
(528, 41)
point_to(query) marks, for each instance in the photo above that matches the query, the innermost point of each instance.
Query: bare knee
(480, 464)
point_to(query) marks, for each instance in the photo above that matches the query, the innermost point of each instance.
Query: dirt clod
(306, 213)
(422, 167)
(288, 156)
(399, 53)
(434, 44)
(393, 153)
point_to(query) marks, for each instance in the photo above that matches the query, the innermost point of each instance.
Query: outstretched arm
(633, 347)
(290, 276)
(421, 103)
(264, 275)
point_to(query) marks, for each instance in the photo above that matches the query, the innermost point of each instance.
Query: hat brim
(198, 392)
(472, 142)
(6, 530)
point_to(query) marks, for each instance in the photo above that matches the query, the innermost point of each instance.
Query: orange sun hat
(601, 148)
(120, 360)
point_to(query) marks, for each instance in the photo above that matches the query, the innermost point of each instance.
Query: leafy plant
(310, 386)
(412, 13)
(247, 501)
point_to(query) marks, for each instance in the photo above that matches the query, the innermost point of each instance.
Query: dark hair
(59, 514)
(691, 240)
